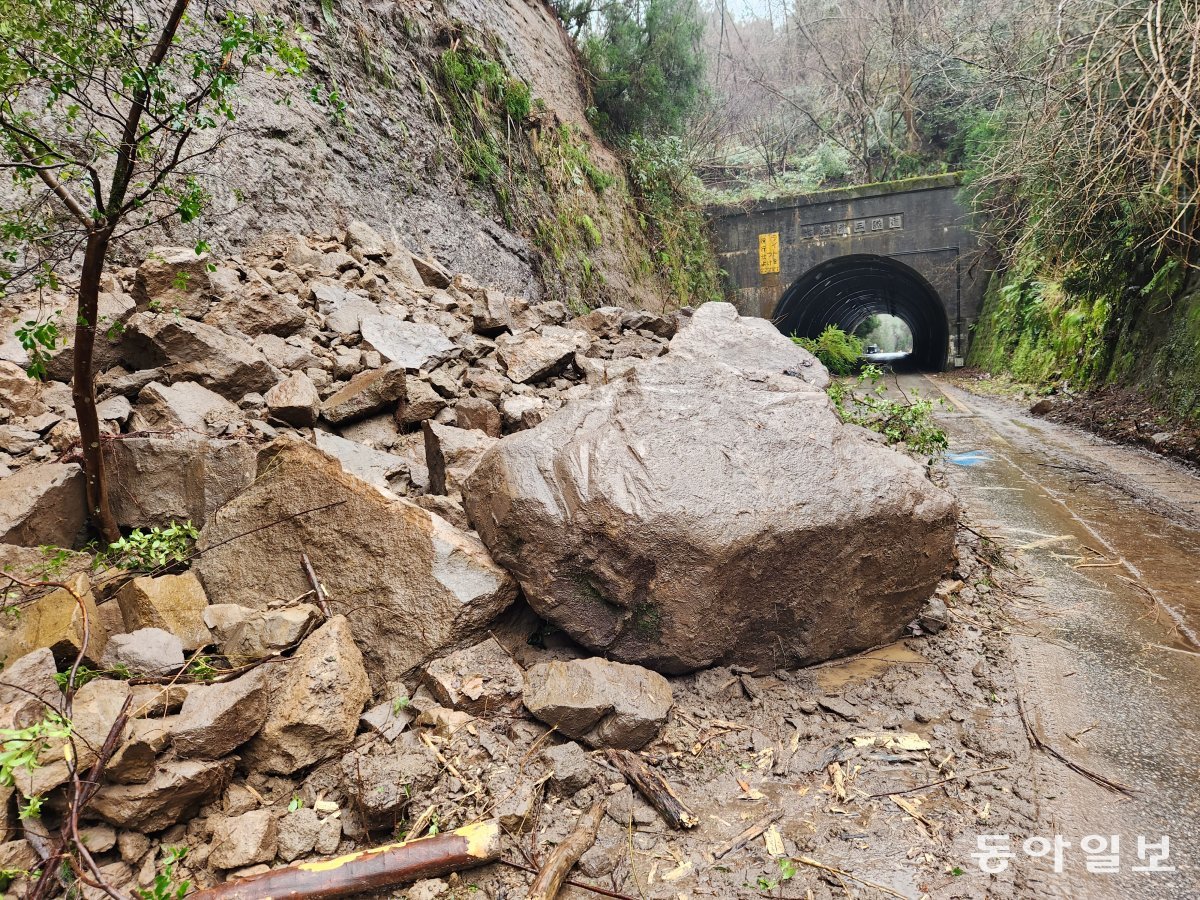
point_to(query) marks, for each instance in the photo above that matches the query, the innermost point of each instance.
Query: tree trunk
(83, 387)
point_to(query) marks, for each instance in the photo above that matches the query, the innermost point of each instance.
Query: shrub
(907, 422)
(838, 352)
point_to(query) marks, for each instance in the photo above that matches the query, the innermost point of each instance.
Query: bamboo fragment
(375, 869)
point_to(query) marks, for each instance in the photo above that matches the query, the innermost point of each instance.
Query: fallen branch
(318, 591)
(933, 784)
(1037, 742)
(654, 788)
(560, 862)
(745, 836)
(842, 873)
(377, 869)
(603, 892)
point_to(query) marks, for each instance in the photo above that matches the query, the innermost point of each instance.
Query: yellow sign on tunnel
(768, 253)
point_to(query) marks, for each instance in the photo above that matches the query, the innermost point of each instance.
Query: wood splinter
(654, 788)
(560, 862)
(369, 870)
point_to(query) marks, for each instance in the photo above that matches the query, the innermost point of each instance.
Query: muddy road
(1105, 645)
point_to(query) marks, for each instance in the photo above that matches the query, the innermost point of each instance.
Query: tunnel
(846, 290)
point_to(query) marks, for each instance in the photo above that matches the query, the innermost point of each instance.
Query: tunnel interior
(847, 290)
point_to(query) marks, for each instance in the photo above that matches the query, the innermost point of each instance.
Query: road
(1105, 634)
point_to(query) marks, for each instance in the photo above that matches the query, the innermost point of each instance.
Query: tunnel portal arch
(845, 290)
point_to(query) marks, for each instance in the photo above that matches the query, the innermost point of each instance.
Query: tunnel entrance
(850, 289)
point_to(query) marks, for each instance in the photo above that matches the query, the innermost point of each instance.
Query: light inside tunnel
(887, 333)
(848, 290)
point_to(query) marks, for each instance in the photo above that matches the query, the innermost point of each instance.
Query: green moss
(647, 620)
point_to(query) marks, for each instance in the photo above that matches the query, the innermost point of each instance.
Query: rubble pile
(382, 459)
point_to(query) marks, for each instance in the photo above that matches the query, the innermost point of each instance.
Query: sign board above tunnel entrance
(847, 227)
(768, 253)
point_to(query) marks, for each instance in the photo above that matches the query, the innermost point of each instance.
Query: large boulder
(185, 406)
(173, 280)
(367, 393)
(410, 345)
(413, 585)
(156, 480)
(712, 509)
(43, 504)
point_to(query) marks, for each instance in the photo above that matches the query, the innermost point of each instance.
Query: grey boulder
(711, 508)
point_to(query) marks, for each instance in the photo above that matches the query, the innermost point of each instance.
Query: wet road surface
(1106, 637)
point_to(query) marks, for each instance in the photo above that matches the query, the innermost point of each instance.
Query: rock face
(602, 703)
(711, 508)
(416, 586)
(315, 701)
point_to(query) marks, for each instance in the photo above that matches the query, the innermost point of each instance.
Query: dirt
(1119, 414)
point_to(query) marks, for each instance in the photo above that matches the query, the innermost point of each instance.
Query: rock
(195, 351)
(480, 680)
(173, 280)
(422, 402)
(98, 838)
(154, 701)
(17, 440)
(427, 889)
(185, 406)
(133, 846)
(389, 719)
(365, 394)
(43, 504)
(492, 312)
(175, 603)
(295, 400)
(603, 371)
(516, 799)
(523, 411)
(380, 778)
(114, 409)
(315, 701)
(935, 616)
(94, 711)
(571, 769)
(247, 635)
(604, 704)
(55, 620)
(478, 414)
(362, 237)
(452, 454)
(218, 718)
(672, 565)
(27, 687)
(159, 480)
(257, 309)
(641, 320)
(284, 355)
(147, 651)
(174, 793)
(839, 707)
(373, 466)
(244, 840)
(418, 586)
(132, 763)
(531, 356)
(297, 833)
(444, 722)
(343, 310)
(410, 345)
(603, 322)
(431, 272)
(1042, 407)
(19, 392)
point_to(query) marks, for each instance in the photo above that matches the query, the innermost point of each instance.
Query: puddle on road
(835, 676)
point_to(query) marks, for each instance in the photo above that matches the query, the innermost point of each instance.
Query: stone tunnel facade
(905, 248)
